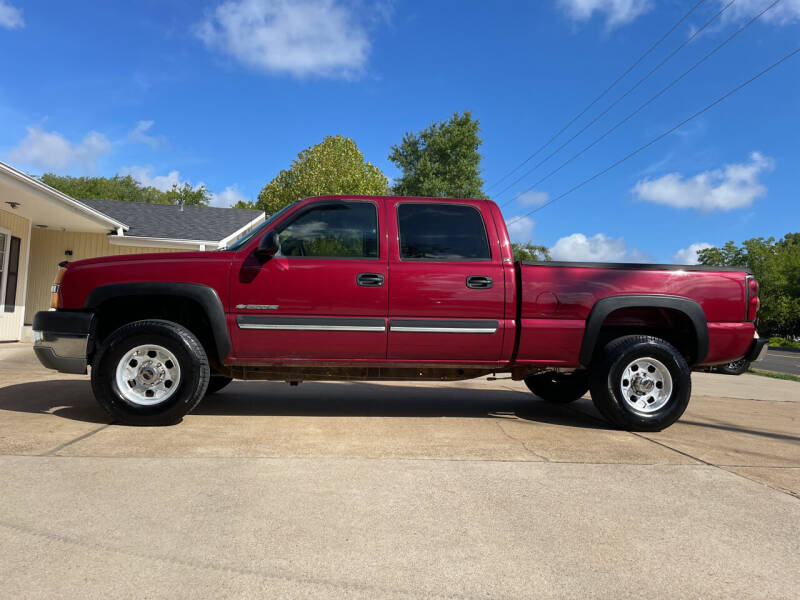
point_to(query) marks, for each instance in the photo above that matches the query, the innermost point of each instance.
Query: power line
(648, 102)
(608, 89)
(658, 138)
(618, 100)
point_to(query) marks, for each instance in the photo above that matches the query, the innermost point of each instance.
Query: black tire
(736, 367)
(181, 343)
(217, 383)
(560, 388)
(606, 382)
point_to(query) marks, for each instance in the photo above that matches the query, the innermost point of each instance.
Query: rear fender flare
(605, 306)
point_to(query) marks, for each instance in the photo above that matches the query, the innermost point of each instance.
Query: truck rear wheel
(559, 387)
(641, 383)
(150, 373)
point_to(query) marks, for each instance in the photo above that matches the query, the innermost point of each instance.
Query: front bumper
(61, 340)
(758, 350)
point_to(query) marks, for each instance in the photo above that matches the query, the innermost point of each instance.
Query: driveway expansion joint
(720, 467)
(794, 495)
(80, 438)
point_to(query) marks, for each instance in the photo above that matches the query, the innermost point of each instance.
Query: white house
(40, 227)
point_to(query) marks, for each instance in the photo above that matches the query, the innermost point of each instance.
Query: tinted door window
(442, 232)
(340, 230)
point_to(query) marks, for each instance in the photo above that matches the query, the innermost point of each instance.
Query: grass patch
(779, 342)
(774, 375)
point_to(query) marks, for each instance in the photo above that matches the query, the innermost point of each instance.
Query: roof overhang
(47, 207)
(241, 231)
(151, 242)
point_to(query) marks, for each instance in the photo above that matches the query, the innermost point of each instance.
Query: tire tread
(603, 390)
(114, 407)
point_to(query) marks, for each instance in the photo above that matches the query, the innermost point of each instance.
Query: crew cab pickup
(369, 288)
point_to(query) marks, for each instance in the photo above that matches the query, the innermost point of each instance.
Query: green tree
(187, 195)
(118, 187)
(334, 166)
(125, 187)
(441, 160)
(776, 267)
(529, 251)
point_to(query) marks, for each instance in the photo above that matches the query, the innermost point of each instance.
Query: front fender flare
(605, 306)
(204, 295)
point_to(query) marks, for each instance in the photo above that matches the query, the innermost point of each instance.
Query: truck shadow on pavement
(71, 399)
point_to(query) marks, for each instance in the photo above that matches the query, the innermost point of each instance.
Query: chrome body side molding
(310, 323)
(442, 326)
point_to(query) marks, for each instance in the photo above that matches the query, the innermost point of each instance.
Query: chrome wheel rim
(148, 375)
(646, 385)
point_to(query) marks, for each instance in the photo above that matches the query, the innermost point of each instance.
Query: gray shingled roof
(206, 223)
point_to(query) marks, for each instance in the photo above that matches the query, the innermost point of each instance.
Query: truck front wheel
(150, 373)
(559, 387)
(640, 383)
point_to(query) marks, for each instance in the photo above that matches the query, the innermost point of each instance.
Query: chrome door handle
(369, 279)
(479, 282)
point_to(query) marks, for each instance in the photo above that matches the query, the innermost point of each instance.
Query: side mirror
(268, 246)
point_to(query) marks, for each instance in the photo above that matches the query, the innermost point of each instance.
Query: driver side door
(323, 295)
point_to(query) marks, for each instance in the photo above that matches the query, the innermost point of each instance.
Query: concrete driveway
(366, 490)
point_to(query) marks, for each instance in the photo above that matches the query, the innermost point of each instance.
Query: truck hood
(156, 256)
(210, 269)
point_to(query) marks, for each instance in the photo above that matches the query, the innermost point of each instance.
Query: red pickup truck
(369, 288)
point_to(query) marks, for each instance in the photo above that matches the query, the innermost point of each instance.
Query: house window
(9, 270)
(4, 241)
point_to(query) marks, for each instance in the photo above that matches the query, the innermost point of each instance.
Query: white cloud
(51, 150)
(533, 198)
(733, 186)
(617, 12)
(303, 37)
(140, 135)
(144, 176)
(10, 17)
(228, 197)
(520, 229)
(783, 13)
(688, 256)
(598, 248)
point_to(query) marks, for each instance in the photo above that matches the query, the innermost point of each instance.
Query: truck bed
(557, 299)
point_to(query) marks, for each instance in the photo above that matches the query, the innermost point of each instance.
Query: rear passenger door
(446, 292)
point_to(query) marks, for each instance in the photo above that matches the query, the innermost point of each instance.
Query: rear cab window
(442, 232)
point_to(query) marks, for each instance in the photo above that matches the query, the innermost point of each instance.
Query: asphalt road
(781, 361)
(365, 490)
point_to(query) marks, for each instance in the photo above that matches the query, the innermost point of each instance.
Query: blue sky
(227, 93)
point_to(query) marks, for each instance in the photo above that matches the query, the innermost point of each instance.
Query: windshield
(242, 241)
